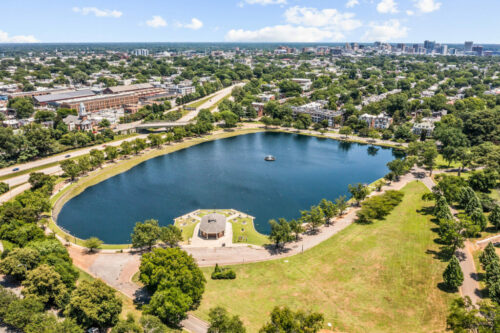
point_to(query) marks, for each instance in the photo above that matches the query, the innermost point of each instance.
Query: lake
(226, 173)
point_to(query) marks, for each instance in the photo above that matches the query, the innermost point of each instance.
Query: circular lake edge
(95, 177)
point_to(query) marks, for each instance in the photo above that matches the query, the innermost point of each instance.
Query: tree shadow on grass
(142, 297)
(444, 287)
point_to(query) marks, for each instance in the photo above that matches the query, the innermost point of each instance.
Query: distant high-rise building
(141, 52)
(478, 49)
(468, 46)
(443, 49)
(429, 45)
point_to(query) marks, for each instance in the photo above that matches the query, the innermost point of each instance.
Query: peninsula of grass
(380, 277)
(244, 232)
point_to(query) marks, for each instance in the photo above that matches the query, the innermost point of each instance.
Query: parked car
(15, 169)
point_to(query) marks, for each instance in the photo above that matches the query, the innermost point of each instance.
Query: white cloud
(195, 24)
(385, 31)
(98, 12)
(283, 33)
(351, 3)
(327, 18)
(387, 6)
(266, 2)
(410, 12)
(427, 6)
(5, 38)
(156, 22)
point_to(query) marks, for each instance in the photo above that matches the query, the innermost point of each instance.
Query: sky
(446, 21)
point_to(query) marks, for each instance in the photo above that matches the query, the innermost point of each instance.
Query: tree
(452, 234)
(19, 261)
(48, 323)
(230, 118)
(296, 227)
(341, 203)
(221, 322)
(23, 106)
(427, 155)
(138, 145)
(170, 305)
(145, 234)
(329, 209)
(483, 180)
(20, 312)
(285, 320)
(280, 232)
(92, 243)
(452, 275)
(163, 269)
(127, 326)
(4, 188)
(46, 284)
(442, 210)
(398, 168)
(463, 316)
(171, 235)
(125, 148)
(494, 216)
(359, 192)
(70, 168)
(155, 140)
(314, 217)
(152, 324)
(94, 304)
(111, 152)
(488, 256)
(96, 158)
(39, 179)
(84, 164)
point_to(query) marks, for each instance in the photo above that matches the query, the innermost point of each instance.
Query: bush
(223, 273)
(4, 187)
(378, 207)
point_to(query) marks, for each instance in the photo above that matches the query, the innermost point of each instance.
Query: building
(129, 88)
(468, 46)
(180, 89)
(429, 45)
(317, 112)
(426, 127)
(305, 84)
(80, 122)
(141, 52)
(259, 108)
(101, 102)
(213, 226)
(51, 99)
(381, 121)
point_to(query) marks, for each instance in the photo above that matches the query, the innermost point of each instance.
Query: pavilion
(213, 226)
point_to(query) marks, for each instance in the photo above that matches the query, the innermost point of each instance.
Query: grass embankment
(380, 277)
(48, 165)
(98, 176)
(198, 103)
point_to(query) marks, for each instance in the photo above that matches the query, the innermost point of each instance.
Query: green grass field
(368, 278)
(244, 232)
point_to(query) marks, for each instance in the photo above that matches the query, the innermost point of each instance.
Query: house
(381, 121)
(305, 84)
(259, 108)
(426, 127)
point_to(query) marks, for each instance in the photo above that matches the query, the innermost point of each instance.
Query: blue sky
(249, 20)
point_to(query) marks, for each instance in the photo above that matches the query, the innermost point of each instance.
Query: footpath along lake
(226, 173)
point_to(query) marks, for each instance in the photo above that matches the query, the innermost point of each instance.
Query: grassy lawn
(368, 278)
(244, 232)
(187, 227)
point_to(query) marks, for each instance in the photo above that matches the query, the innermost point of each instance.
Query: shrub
(223, 273)
(378, 207)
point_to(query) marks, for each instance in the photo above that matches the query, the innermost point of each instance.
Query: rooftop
(213, 223)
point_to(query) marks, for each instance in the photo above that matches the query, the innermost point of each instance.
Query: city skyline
(285, 21)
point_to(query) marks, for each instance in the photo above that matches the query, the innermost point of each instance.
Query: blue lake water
(226, 173)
